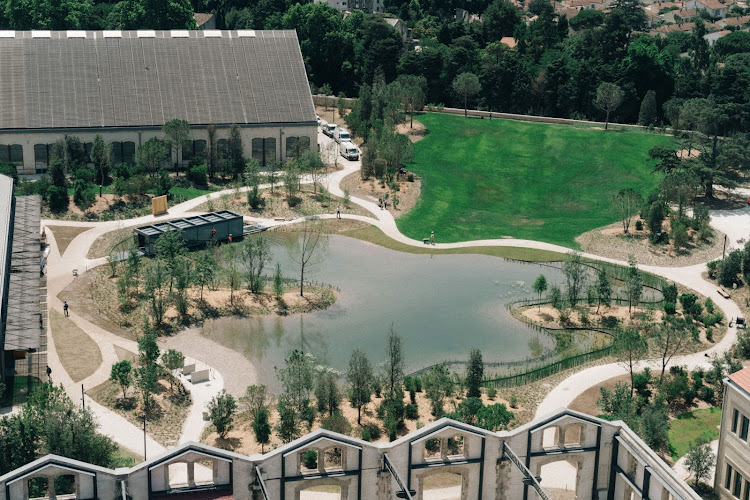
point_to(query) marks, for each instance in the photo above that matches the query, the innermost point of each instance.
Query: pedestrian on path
(432, 237)
(338, 212)
(65, 309)
(49, 373)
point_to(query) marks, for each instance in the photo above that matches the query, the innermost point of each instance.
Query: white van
(349, 151)
(329, 129)
(323, 126)
(341, 135)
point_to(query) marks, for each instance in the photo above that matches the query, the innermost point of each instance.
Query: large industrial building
(23, 295)
(125, 85)
(732, 479)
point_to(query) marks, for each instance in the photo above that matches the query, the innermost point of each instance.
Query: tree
(437, 386)
(169, 248)
(256, 253)
(221, 411)
(291, 179)
(494, 417)
(630, 348)
(256, 398)
(647, 114)
(700, 459)
(474, 374)
(83, 196)
(212, 155)
(394, 362)
(412, 95)
(235, 151)
(252, 180)
(177, 133)
(122, 375)
(359, 379)
(308, 249)
(327, 393)
(468, 409)
(173, 360)
(575, 277)
(633, 284)
(288, 425)
(230, 256)
(540, 286)
(466, 85)
(278, 282)
(555, 296)
(152, 155)
(296, 379)
(654, 427)
(50, 423)
(670, 338)
(205, 270)
(101, 157)
(627, 202)
(261, 428)
(609, 96)
(603, 288)
(155, 281)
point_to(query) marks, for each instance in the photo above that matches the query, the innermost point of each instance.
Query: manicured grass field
(689, 426)
(484, 179)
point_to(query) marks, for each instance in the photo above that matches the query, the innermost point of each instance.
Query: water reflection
(442, 305)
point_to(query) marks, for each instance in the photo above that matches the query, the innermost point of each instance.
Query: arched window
(116, 153)
(41, 156)
(264, 150)
(128, 152)
(192, 149)
(297, 146)
(16, 154)
(222, 147)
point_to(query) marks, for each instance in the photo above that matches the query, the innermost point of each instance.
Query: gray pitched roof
(91, 79)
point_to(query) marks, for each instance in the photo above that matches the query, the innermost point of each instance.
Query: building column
(191, 473)
(561, 437)
(214, 470)
(51, 488)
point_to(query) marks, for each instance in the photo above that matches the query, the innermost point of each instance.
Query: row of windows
(743, 426)
(733, 482)
(263, 150)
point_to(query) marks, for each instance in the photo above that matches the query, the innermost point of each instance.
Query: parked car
(341, 135)
(349, 151)
(323, 126)
(329, 129)
(317, 119)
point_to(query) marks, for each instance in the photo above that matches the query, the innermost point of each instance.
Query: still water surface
(441, 305)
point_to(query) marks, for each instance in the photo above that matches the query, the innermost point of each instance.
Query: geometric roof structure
(742, 379)
(144, 78)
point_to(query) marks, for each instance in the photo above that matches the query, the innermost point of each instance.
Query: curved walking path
(734, 223)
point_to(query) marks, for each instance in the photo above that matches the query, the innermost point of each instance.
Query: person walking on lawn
(65, 309)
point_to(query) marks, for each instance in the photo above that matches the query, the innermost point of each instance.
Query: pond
(441, 305)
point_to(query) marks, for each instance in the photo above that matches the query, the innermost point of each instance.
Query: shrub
(639, 225)
(687, 300)
(373, 429)
(513, 400)
(742, 348)
(706, 393)
(709, 305)
(670, 293)
(713, 268)
(293, 201)
(709, 334)
(198, 175)
(412, 411)
(670, 308)
(410, 177)
(336, 423)
(310, 459)
(491, 392)
(365, 434)
(610, 321)
(729, 268)
(565, 316)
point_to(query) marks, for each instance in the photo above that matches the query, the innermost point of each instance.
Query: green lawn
(188, 193)
(691, 425)
(484, 179)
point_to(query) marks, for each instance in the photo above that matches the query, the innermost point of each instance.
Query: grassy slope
(483, 179)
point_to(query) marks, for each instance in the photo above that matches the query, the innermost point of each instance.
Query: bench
(75, 272)
(279, 219)
(723, 292)
(426, 241)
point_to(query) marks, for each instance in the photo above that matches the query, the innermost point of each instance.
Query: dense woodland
(554, 70)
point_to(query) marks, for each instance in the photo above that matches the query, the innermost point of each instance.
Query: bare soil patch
(415, 132)
(372, 190)
(123, 354)
(94, 296)
(65, 234)
(611, 241)
(276, 204)
(165, 420)
(78, 353)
